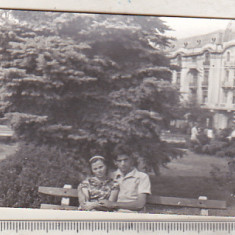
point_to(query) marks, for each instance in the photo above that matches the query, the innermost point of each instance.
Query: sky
(187, 27)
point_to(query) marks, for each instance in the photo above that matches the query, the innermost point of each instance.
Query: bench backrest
(152, 199)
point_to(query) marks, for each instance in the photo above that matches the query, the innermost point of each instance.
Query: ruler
(54, 222)
(115, 227)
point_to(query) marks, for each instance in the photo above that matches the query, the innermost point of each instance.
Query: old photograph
(118, 113)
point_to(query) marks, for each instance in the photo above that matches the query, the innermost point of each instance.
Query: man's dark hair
(121, 150)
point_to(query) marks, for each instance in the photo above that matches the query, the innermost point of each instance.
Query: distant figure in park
(210, 134)
(194, 134)
(97, 187)
(134, 185)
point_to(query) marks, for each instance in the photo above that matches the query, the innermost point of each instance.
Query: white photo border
(220, 9)
(184, 8)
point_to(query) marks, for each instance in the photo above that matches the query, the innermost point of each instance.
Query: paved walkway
(5, 131)
(6, 148)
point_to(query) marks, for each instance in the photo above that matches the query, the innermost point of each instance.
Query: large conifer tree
(84, 83)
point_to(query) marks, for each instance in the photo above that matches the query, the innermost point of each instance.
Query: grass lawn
(192, 176)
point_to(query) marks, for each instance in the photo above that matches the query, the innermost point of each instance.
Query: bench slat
(58, 207)
(156, 200)
(186, 202)
(60, 192)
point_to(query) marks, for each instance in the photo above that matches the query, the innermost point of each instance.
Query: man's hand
(106, 203)
(135, 205)
(88, 206)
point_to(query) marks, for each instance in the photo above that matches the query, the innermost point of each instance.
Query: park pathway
(7, 147)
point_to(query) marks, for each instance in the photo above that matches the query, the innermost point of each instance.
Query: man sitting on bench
(134, 185)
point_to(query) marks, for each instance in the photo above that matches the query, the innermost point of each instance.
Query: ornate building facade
(207, 73)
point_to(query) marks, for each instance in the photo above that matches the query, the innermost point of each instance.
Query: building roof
(216, 37)
(229, 33)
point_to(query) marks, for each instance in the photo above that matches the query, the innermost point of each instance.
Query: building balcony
(229, 64)
(228, 84)
(205, 105)
(221, 106)
(228, 107)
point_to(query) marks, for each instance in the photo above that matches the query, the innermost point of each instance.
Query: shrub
(214, 146)
(227, 151)
(223, 134)
(34, 166)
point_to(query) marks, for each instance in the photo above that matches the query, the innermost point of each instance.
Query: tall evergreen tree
(85, 83)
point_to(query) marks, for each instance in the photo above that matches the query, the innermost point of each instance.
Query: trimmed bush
(227, 151)
(214, 146)
(34, 166)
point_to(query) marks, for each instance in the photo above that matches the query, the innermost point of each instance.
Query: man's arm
(136, 205)
(114, 195)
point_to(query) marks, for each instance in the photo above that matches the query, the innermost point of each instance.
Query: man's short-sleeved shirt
(132, 185)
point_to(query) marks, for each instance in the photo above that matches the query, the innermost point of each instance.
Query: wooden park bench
(67, 192)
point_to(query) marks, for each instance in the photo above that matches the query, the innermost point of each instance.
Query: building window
(206, 77)
(228, 56)
(227, 75)
(204, 96)
(179, 60)
(178, 76)
(193, 94)
(194, 59)
(193, 91)
(234, 78)
(195, 78)
(207, 58)
(225, 96)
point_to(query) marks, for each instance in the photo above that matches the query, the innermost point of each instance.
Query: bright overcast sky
(187, 27)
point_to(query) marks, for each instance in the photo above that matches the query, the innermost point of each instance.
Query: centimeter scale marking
(112, 227)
